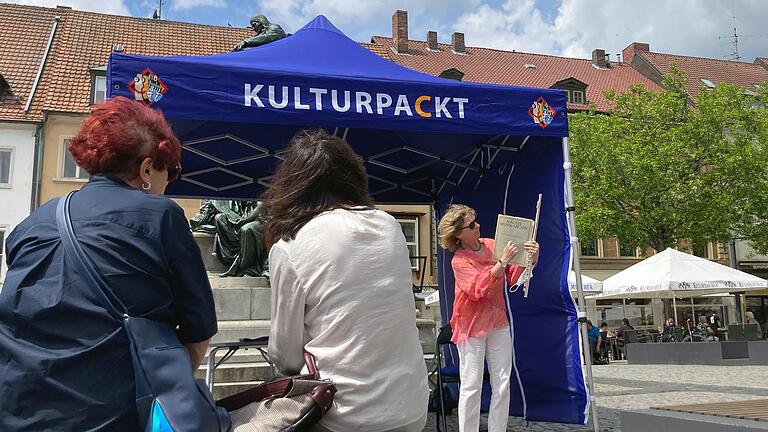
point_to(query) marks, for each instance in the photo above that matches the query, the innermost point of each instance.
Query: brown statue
(266, 32)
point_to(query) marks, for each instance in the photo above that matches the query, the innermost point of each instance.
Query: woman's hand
(532, 247)
(509, 252)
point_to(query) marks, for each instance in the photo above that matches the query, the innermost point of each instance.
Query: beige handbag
(294, 403)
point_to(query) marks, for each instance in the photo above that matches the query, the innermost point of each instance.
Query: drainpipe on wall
(37, 169)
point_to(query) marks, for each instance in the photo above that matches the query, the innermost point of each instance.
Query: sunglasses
(174, 172)
(471, 224)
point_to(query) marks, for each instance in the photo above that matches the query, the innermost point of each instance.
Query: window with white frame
(5, 166)
(576, 96)
(410, 227)
(69, 168)
(99, 92)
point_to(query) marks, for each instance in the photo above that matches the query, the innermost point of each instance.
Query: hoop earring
(146, 186)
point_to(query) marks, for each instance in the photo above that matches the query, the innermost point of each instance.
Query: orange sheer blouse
(478, 305)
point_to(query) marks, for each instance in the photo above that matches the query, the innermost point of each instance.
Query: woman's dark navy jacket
(63, 364)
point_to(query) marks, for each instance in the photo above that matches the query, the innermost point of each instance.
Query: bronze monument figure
(266, 32)
(238, 227)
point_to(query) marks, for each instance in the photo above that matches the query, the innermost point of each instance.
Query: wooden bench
(747, 409)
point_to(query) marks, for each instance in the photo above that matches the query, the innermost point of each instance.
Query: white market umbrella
(671, 274)
(589, 285)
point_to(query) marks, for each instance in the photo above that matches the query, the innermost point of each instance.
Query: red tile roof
(714, 70)
(507, 67)
(82, 42)
(23, 39)
(86, 39)
(377, 49)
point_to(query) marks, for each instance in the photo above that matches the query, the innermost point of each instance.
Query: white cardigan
(341, 290)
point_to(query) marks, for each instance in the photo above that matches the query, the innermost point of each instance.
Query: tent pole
(576, 257)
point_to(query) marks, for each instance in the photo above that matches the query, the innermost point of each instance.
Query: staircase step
(231, 331)
(237, 372)
(241, 298)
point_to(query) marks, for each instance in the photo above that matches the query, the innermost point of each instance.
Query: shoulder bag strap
(82, 263)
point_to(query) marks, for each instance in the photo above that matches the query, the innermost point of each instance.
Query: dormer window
(452, 74)
(5, 88)
(98, 84)
(575, 90)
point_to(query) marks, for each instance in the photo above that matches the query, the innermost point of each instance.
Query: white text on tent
(342, 101)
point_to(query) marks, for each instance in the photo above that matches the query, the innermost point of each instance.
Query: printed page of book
(517, 230)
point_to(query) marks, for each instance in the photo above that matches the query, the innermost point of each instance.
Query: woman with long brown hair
(341, 288)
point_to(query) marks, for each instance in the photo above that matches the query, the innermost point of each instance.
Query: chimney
(628, 53)
(762, 61)
(457, 43)
(432, 41)
(618, 57)
(400, 30)
(599, 59)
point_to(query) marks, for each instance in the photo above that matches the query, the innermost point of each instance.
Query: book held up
(517, 230)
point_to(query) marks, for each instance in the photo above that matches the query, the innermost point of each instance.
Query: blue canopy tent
(422, 139)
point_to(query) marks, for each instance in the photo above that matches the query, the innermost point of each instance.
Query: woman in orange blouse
(479, 322)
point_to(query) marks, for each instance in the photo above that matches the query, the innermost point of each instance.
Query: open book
(517, 230)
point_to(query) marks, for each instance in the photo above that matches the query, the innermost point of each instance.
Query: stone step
(230, 331)
(243, 355)
(240, 299)
(237, 372)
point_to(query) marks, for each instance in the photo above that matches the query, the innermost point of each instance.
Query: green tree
(658, 168)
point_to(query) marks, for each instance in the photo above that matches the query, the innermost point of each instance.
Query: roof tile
(507, 67)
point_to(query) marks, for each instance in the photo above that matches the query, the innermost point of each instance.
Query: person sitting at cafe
(594, 337)
(624, 327)
(750, 319)
(706, 328)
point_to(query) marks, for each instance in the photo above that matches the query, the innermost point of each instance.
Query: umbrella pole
(674, 308)
(582, 306)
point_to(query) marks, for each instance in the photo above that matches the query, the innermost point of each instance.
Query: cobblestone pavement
(620, 386)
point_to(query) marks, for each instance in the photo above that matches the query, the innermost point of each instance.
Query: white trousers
(496, 348)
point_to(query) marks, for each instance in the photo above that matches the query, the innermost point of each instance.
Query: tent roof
(318, 60)
(672, 272)
(588, 284)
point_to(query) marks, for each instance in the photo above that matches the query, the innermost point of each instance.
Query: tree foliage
(658, 169)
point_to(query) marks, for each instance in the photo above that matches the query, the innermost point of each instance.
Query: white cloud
(192, 4)
(116, 7)
(688, 27)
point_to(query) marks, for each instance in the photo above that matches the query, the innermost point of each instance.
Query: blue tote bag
(168, 398)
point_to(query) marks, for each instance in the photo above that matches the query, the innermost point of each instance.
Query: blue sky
(560, 27)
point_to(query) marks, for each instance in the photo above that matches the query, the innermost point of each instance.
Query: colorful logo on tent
(147, 87)
(542, 113)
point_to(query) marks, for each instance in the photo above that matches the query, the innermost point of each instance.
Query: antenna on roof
(734, 38)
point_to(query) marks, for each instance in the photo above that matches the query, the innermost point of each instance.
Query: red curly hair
(119, 134)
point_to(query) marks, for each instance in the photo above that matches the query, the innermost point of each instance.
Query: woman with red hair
(63, 365)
